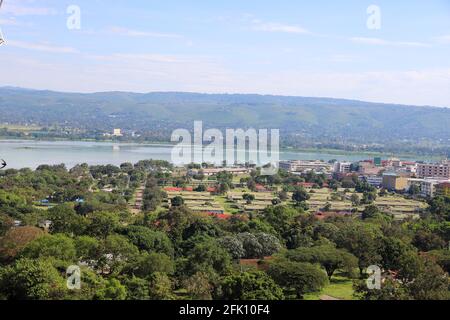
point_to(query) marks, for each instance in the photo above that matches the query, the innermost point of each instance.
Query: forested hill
(154, 111)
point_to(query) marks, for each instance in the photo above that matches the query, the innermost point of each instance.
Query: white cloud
(21, 9)
(443, 39)
(9, 22)
(136, 33)
(41, 47)
(278, 27)
(155, 72)
(382, 42)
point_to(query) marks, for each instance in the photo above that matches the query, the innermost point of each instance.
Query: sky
(377, 50)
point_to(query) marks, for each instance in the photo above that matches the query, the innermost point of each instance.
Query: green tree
(254, 285)
(31, 279)
(199, 286)
(56, 246)
(330, 258)
(102, 224)
(208, 256)
(300, 195)
(66, 220)
(160, 287)
(177, 201)
(301, 277)
(233, 245)
(149, 263)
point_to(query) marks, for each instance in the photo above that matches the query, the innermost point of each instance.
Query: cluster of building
(431, 179)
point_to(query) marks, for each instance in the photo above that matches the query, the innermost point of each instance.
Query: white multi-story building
(427, 186)
(375, 181)
(305, 166)
(342, 167)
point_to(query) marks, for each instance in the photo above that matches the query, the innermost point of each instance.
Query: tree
(279, 217)
(442, 258)
(118, 252)
(88, 249)
(248, 197)
(15, 240)
(269, 243)
(56, 246)
(102, 224)
(360, 240)
(233, 245)
(354, 198)
(431, 283)
(254, 285)
(160, 287)
(177, 201)
(369, 197)
(31, 279)
(370, 212)
(113, 290)
(65, 220)
(149, 240)
(330, 258)
(201, 188)
(207, 256)
(427, 241)
(6, 223)
(198, 286)
(253, 249)
(414, 190)
(137, 288)
(149, 263)
(283, 195)
(301, 277)
(300, 195)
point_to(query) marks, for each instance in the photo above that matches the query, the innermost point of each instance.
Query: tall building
(342, 167)
(395, 182)
(434, 170)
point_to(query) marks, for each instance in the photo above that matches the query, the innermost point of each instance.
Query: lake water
(30, 154)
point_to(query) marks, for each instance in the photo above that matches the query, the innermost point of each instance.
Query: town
(195, 231)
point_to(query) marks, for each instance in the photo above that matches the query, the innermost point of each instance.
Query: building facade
(434, 170)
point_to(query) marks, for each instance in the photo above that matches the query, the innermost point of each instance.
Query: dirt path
(136, 207)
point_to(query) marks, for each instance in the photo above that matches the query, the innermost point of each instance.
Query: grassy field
(339, 287)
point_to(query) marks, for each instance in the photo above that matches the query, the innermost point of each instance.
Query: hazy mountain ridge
(166, 110)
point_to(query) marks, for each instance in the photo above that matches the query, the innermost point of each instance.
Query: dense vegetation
(173, 253)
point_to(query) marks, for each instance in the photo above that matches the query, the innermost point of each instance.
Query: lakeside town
(194, 232)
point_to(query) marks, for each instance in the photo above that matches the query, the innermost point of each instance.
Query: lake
(30, 154)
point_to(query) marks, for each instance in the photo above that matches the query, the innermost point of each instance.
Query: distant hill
(165, 111)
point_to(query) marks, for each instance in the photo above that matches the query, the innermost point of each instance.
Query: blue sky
(305, 48)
